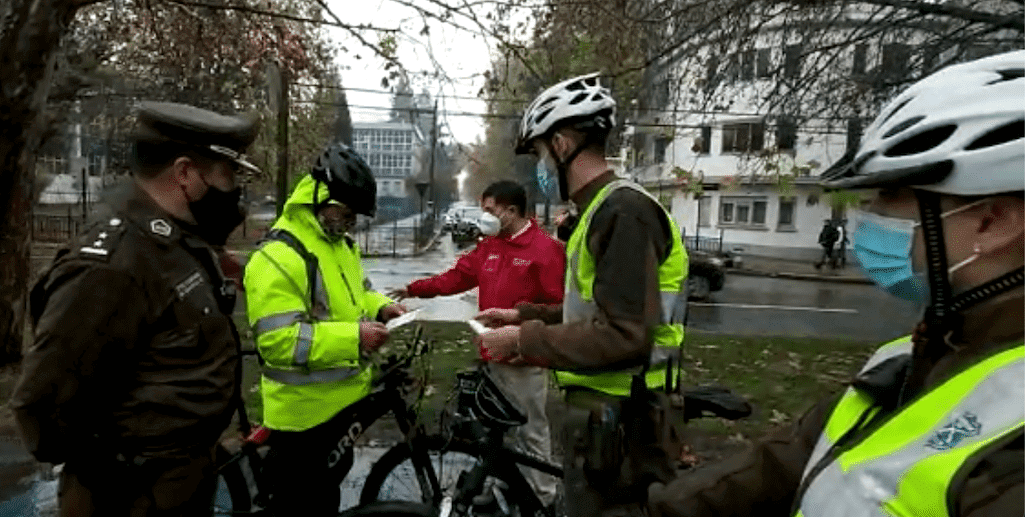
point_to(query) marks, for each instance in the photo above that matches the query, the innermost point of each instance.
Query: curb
(800, 276)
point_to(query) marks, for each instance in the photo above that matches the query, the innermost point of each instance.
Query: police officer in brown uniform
(131, 376)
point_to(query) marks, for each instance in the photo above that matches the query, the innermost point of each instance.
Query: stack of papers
(405, 319)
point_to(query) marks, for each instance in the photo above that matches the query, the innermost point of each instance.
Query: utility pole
(278, 78)
(434, 143)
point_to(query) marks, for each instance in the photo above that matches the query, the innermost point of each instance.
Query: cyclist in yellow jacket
(314, 321)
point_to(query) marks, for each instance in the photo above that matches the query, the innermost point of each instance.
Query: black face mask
(217, 214)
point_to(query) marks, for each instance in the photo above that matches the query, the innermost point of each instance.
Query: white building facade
(735, 171)
(391, 150)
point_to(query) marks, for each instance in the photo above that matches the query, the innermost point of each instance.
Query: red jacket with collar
(508, 270)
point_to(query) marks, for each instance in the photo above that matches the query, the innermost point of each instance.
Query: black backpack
(828, 235)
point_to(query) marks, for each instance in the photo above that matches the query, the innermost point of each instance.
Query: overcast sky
(464, 57)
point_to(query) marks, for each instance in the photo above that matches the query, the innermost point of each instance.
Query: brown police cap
(173, 122)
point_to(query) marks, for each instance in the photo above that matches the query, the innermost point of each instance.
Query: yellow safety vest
(905, 467)
(305, 303)
(579, 305)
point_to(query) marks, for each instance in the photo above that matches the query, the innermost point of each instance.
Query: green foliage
(844, 199)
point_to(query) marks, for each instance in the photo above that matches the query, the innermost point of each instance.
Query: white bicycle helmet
(959, 131)
(581, 101)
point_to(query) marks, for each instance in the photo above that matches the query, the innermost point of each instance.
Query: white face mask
(490, 225)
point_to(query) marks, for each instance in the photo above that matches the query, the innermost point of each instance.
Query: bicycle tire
(390, 508)
(392, 476)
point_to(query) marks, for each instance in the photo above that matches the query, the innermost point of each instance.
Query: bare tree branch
(272, 14)
(1012, 21)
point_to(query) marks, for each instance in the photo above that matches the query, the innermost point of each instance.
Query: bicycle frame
(387, 396)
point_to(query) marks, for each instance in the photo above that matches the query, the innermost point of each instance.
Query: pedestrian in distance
(932, 425)
(623, 306)
(827, 239)
(131, 375)
(516, 262)
(315, 322)
(840, 246)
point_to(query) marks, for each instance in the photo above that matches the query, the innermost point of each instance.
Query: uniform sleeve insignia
(965, 426)
(160, 227)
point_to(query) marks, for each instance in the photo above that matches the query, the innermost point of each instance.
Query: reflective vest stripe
(906, 466)
(277, 321)
(303, 343)
(302, 378)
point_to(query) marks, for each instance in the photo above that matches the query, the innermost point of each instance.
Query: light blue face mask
(547, 177)
(884, 247)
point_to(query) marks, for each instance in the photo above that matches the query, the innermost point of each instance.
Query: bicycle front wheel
(391, 509)
(394, 477)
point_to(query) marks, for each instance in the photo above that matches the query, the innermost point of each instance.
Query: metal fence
(395, 240)
(707, 243)
(55, 228)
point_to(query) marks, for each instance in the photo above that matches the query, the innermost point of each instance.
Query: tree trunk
(30, 34)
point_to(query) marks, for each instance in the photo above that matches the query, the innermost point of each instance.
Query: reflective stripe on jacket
(906, 466)
(579, 305)
(309, 341)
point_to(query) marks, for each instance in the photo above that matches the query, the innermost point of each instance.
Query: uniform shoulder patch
(99, 241)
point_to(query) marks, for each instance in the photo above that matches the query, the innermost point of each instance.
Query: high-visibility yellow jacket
(305, 313)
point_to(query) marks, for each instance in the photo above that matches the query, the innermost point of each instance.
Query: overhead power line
(649, 111)
(803, 129)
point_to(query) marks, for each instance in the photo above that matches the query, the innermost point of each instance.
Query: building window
(860, 57)
(743, 137)
(895, 60)
(743, 211)
(792, 61)
(704, 211)
(726, 217)
(787, 206)
(712, 72)
(661, 143)
(853, 134)
(703, 143)
(786, 134)
(763, 68)
(746, 63)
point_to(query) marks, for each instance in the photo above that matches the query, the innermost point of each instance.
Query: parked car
(467, 226)
(459, 213)
(706, 274)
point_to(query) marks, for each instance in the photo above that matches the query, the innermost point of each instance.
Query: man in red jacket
(517, 262)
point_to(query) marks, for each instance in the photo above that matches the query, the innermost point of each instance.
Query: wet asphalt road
(747, 305)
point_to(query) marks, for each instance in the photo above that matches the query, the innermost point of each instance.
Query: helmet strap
(991, 289)
(563, 165)
(937, 314)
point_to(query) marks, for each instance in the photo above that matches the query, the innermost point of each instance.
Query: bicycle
(471, 459)
(240, 471)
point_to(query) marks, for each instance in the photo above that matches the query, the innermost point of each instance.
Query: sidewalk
(798, 270)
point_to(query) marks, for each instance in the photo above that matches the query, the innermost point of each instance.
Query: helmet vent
(895, 110)
(903, 125)
(547, 101)
(1008, 75)
(1001, 135)
(541, 116)
(580, 97)
(577, 86)
(921, 142)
